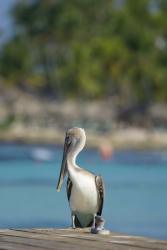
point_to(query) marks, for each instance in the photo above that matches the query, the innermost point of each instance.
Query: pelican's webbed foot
(98, 225)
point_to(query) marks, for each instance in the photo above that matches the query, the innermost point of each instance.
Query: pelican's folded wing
(69, 187)
(100, 190)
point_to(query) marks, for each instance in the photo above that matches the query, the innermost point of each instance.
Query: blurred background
(101, 65)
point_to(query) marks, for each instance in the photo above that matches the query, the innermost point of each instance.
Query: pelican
(85, 191)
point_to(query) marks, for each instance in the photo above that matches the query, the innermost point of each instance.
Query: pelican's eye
(68, 139)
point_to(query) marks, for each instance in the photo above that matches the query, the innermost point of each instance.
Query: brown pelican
(85, 191)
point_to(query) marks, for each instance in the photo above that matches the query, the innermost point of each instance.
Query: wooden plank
(63, 239)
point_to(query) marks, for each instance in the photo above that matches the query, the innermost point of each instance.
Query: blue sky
(5, 19)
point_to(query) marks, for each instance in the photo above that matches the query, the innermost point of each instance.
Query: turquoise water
(136, 189)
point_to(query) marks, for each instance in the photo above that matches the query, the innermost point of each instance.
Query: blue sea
(136, 189)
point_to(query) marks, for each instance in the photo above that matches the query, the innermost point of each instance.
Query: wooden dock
(70, 239)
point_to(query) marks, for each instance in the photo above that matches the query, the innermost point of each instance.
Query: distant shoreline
(28, 118)
(127, 138)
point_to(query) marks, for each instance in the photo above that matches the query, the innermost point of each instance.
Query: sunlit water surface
(136, 189)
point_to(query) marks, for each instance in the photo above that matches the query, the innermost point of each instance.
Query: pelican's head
(74, 142)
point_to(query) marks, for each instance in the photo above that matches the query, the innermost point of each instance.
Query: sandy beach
(28, 118)
(116, 139)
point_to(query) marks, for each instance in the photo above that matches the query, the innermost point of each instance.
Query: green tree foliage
(90, 49)
(15, 61)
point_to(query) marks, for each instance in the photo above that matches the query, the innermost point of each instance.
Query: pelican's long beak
(63, 165)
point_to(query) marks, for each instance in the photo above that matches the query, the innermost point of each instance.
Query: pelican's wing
(69, 187)
(100, 191)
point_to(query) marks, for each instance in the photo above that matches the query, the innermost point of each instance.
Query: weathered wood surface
(67, 239)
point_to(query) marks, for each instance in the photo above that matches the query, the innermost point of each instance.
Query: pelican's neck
(72, 155)
(71, 159)
(72, 166)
